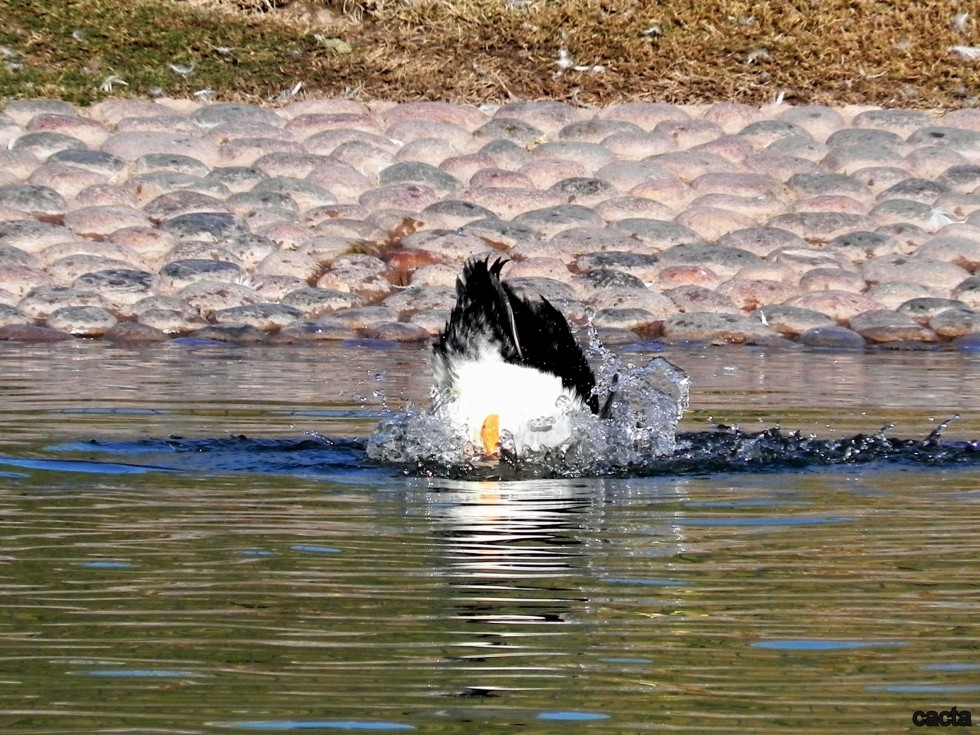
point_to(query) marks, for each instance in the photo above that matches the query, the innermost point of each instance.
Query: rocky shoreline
(141, 221)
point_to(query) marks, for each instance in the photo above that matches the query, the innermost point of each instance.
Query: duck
(508, 373)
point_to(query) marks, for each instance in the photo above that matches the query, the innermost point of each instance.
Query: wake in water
(722, 450)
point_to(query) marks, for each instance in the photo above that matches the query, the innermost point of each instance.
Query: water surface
(182, 551)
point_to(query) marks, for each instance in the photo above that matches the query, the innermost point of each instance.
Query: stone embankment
(331, 219)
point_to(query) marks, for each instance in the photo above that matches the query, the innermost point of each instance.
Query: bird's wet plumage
(508, 358)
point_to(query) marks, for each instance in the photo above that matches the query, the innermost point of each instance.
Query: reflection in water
(514, 556)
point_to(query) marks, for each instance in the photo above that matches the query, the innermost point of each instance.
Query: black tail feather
(488, 311)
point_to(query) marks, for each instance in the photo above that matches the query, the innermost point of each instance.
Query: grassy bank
(590, 51)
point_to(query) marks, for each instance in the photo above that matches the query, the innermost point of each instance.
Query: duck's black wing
(489, 312)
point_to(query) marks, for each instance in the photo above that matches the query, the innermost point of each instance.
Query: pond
(191, 541)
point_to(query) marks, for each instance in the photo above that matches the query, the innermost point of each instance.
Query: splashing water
(646, 403)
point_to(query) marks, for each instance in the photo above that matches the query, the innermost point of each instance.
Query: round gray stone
(582, 186)
(36, 200)
(222, 113)
(396, 332)
(242, 334)
(825, 183)
(865, 137)
(504, 128)
(533, 288)
(81, 321)
(659, 233)
(10, 255)
(165, 181)
(901, 122)
(962, 179)
(266, 317)
(624, 318)
(862, 245)
(209, 226)
(959, 139)
(314, 302)
(12, 315)
(456, 208)
(907, 210)
(924, 308)
(953, 323)
(833, 337)
(764, 132)
(419, 172)
(572, 215)
(134, 333)
(711, 326)
(100, 162)
(597, 129)
(507, 154)
(184, 272)
(791, 320)
(172, 162)
(174, 203)
(914, 189)
(617, 260)
(499, 230)
(261, 200)
(115, 280)
(237, 178)
(609, 278)
(722, 260)
(43, 143)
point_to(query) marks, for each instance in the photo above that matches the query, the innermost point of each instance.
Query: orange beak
(490, 434)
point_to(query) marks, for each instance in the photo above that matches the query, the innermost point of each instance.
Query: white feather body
(532, 405)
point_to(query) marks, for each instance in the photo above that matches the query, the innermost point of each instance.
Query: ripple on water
(811, 644)
(286, 725)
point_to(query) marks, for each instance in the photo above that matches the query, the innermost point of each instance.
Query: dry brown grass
(806, 51)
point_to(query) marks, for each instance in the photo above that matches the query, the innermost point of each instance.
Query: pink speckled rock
(712, 223)
(885, 325)
(750, 294)
(625, 207)
(462, 116)
(636, 146)
(838, 305)
(698, 299)
(821, 227)
(645, 114)
(672, 193)
(89, 131)
(509, 202)
(105, 195)
(100, 222)
(305, 126)
(714, 326)
(893, 294)
(43, 301)
(21, 279)
(67, 180)
(543, 173)
(939, 274)
(675, 276)
(932, 160)
(819, 121)
(130, 146)
(832, 279)
(732, 117)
